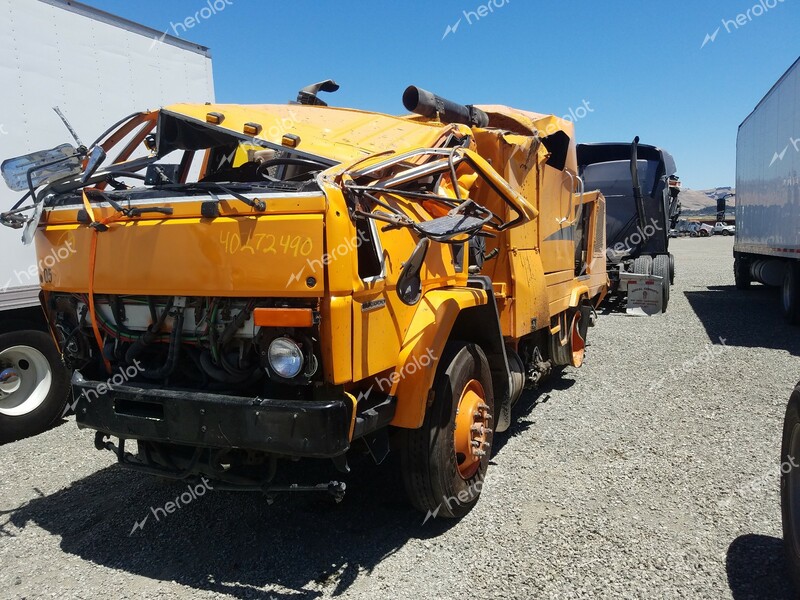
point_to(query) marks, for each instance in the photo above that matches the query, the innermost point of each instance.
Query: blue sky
(638, 66)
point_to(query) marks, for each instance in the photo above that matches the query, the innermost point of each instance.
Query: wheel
(725, 232)
(671, 269)
(643, 265)
(444, 462)
(791, 293)
(741, 273)
(33, 384)
(661, 269)
(790, 485)
(703, 233)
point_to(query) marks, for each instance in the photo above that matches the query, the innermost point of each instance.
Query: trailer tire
(643, 265)
(790, 486)
(438, 478)
(35, 395)
(661, 269)
(741, 273)
(671, 269)
(791, 293)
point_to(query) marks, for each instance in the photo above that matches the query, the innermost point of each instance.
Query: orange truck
(254, 285)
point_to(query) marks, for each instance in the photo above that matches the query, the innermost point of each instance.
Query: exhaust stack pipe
(423, 102)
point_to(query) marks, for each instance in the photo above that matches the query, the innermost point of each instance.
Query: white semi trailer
(96, 68)
(767, 245)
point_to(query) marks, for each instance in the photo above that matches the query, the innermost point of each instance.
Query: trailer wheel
(671, 269)
(790, 485)
(643, 265)
(791, 293)
(741, 273)
(661, 269)
(444, 462)
(33, 384)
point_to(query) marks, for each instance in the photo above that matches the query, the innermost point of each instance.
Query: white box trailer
(96, 68)
(767, 245)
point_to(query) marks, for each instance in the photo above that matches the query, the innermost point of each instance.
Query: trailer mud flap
(645, 294)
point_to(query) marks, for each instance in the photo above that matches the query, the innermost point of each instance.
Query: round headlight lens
(285, 357)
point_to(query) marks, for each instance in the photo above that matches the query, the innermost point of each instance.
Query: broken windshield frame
(147, 124)
(390, 175)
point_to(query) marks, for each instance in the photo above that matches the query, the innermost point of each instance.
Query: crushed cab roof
(340, 134)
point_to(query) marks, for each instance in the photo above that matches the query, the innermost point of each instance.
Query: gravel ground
(650, 473)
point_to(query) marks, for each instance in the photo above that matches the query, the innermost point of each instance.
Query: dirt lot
(651, 472)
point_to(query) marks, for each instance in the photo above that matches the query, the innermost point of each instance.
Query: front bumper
(317, 429)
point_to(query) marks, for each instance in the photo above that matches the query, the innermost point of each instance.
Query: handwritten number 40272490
(267, 243)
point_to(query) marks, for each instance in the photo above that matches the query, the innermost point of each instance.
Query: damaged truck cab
(258, 283)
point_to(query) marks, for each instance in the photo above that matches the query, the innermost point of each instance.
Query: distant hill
(701, 202)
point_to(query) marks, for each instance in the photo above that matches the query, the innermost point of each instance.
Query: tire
(35, 392)
(643, 265)
(661, 269)
(438, 479)
(790, 486)
(741, 273)
(671, 269)
(726, 233)
(791, 293)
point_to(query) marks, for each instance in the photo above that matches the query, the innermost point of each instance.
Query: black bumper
(318, 429)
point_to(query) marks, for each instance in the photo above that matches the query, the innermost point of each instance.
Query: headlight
(285, 357)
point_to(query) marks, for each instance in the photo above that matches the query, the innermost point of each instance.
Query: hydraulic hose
(149, 336)
(218, 374)
(172, 356)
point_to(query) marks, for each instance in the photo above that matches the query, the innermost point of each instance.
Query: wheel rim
(793, 489)
(25, 380)
(472, 429)
(577, 343)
